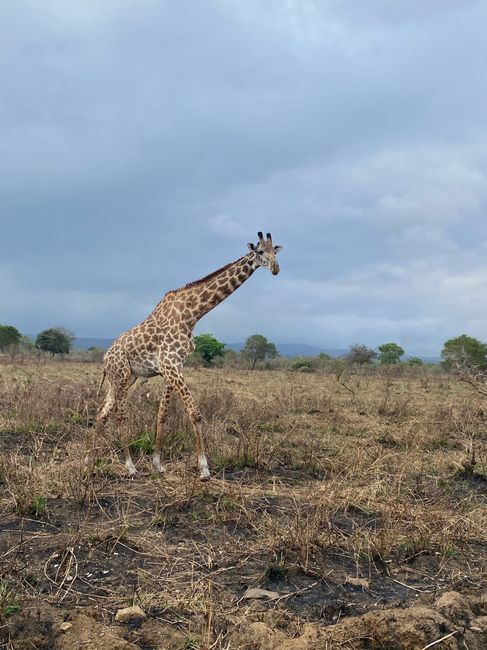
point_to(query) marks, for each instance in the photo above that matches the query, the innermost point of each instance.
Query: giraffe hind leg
(104, 412)
(120, 379)
(161, 428)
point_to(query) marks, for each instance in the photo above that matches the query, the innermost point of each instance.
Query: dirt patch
(458, 620)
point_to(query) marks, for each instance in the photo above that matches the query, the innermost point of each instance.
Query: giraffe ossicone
(160, 344)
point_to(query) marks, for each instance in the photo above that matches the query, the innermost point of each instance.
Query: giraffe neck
(198, 298)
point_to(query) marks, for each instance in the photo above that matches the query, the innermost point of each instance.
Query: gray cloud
(143, 144)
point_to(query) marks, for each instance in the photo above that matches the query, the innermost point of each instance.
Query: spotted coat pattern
(160, 344)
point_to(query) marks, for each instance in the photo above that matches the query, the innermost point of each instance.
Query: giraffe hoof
(131, 471)
(156, 462)
(205, 477)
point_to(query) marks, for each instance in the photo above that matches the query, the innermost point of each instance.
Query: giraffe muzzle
(275, 268)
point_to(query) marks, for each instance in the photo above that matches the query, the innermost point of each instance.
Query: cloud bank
(143, 144)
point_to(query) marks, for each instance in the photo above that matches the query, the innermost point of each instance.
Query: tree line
(463, 353)
(55, 340)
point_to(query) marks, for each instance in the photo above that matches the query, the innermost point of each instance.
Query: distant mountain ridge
(83, 343)
(285, 349)
(295, 350)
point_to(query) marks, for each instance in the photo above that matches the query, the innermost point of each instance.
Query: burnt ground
(347, 570)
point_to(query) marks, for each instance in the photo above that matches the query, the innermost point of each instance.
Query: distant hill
(285, 349)
(295, 349)
(433, 360)
(85, 343)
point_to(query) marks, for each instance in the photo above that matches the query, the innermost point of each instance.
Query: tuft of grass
(33, 505)
(144, 444)
(276, 572)
(8, 600)
(233, 462)
(77, 418)
(37, 426)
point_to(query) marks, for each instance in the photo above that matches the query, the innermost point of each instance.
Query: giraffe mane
(203, 280)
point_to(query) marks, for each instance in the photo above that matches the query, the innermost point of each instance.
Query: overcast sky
(143, 143)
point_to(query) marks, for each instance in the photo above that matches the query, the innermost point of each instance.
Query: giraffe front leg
(176, 379)
(161, 428)
(124, 434)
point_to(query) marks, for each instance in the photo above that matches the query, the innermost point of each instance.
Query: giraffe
(160, 344)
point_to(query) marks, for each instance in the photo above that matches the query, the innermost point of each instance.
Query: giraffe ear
(251, 246)
(278, 248)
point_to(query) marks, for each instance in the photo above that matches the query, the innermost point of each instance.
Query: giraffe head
(265, 253)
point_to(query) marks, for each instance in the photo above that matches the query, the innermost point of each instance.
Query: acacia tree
(55, 340)
(468, 356)
(415, 361)
(9, 335)
(258, 348)
(208, 348)
(390, 353)
(360, 354)
(465, 353)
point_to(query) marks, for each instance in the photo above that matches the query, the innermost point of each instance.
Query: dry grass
(317, 478)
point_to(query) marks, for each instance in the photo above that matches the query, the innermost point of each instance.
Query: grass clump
(234, 462)
(144, 444)
(33, 505)
(8, 600)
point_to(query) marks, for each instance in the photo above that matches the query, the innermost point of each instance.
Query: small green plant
(144, 444)
(302, 365)
(104, 467)
(38, 505)
(37, 426)
(77, 418)
(191, 643)
(33, 505)
(276, 572)
(8, 603)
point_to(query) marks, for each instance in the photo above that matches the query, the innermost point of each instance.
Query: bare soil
(351, 496)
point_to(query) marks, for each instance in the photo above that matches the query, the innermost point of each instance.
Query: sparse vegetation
(360, 354)
(328, 489)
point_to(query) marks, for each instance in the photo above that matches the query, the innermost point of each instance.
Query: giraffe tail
(101, 383)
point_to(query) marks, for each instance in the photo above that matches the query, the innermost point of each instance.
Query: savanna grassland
(350, 497)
